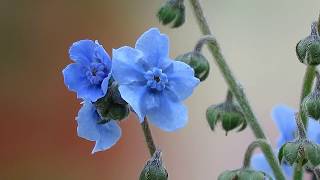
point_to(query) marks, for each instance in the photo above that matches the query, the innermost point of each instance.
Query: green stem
(264, 146)
(306, 89)
(298, 173)
(148, 137)
(235, 88)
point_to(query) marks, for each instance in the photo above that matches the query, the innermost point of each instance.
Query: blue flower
(153, 84)
(90, 127)
(284, 117)
(89, 75)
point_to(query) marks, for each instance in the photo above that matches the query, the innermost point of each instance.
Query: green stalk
(306, 89)
(298, 173)
(264, 146)
(148, 137)
(236, 88)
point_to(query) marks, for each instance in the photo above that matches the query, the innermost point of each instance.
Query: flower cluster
(151, 83)
(284, 118)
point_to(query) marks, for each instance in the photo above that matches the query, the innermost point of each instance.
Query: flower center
(96, 73)
(156, 79)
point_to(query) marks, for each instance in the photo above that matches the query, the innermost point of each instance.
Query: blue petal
(181, 80)
(284, 118)
(313, 131)
(110, 133)
(259, 163)
(82, 51)
(170, 116)
(105, 135)
(154, 45)
(133, 94)
(127, 65)
(105, 83)
(101, 54)
(87, 122)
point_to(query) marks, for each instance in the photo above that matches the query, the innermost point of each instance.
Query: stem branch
(236, 88)
(148, 137)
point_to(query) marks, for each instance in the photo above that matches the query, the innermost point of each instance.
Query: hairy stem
(306, 89)
(264, 146)
(298, 173)
(148, 137)
(236, 89)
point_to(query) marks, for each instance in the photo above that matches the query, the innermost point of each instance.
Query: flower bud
(112, 106)
(172, 11)
(243, 174)
(198, 62)
(115, 94)
(301, 150)
(311, 104)
(154, 169)
(229, 113)
(308, 49)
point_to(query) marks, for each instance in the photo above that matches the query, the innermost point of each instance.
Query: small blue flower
(89, 75)
(153, 84)
(90, 127)
(284, 117)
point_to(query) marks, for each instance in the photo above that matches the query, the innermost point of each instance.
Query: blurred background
(37, 125)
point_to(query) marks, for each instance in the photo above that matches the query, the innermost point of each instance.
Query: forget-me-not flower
(92, 128)
(88, 76)
(284, 117)
(153, 84)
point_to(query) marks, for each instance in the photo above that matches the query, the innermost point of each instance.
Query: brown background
(37, 127)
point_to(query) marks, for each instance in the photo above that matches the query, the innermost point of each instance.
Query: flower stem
(148, 137)
(263, 144)
(306, 89)
(236, 88)
(298, 173)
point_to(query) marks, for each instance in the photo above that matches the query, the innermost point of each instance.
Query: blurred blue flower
(91, 127)
(89, 75)
(284, 117)
(152, 83)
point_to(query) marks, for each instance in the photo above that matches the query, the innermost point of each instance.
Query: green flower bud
(114, 93)
(243, 174)
(154, 169)
(301, 150)
(311, 104)
(198, 62)
(172, 11)
(228, 113)
(308, 49)
(112, 106)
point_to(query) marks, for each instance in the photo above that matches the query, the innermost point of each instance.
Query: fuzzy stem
(148, 137)
(264, 146)
(301, 129)
(298, 172)
(236, 88)
(306, 89)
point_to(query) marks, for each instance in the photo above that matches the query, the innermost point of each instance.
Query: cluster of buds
(112, 106)
(300, 151)
(228, 113)
(243, 174)
(173, 11)
(308, 49)
(154, 168)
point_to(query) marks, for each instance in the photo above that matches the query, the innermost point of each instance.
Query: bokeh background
(37, 128)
